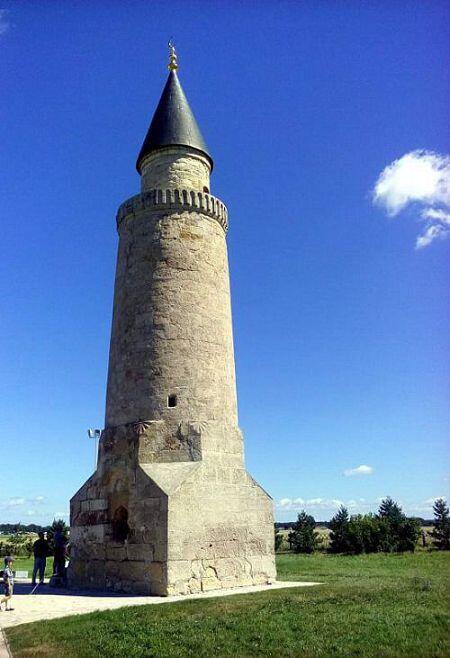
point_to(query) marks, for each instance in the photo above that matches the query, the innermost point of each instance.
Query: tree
(408, 533)
(397, 532)
(278, 540)
(57, 525)
(61, 526)
(390, 510)
(441, 530)
(303, 538)
(339, 526)
(363, 534)
(386, 535)
(29, 545)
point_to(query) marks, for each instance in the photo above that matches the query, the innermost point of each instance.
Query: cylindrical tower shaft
(171, 355)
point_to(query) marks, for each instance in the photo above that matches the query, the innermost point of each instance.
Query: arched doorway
(120, 527)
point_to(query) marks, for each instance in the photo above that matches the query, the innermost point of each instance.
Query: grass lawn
(369, 606)
(26, 564)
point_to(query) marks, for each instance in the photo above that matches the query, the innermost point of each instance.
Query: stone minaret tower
(171, 508)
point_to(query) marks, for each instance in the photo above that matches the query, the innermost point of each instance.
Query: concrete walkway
(48, 603)
(4, 652)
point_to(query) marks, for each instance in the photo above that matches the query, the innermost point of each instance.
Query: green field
(26, 564)
(369, 606)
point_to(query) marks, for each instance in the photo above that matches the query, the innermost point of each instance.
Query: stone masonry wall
(223, 537)
(171, 508)
(98, 559)
(193, 525)
(175, 167)
(172, 332)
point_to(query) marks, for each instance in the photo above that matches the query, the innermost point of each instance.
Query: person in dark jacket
(59, 553)
(41, 551)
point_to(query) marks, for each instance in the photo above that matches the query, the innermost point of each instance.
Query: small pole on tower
(173, 60)
(94, 434)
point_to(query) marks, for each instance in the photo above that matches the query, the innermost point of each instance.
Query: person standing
(8, 584)
(41, 552)
(59, 553)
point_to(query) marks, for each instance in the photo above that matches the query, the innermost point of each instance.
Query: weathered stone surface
(143, 552)
(171, 508)
(175, 167)
(184, 347)
(190, 525)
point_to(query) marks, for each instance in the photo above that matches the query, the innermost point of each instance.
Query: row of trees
(18, 528)
(21, 543)
(387, 531)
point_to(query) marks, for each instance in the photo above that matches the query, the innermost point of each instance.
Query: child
(8, 582)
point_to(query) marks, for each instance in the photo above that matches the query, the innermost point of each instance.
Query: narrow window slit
(172, 401)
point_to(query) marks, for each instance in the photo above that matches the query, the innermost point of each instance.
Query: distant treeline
(387, 531)
(19, 528)
(288, 525)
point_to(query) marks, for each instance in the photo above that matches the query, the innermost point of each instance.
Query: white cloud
(423, 508)
(430, 233)
(434, 213)
(421, 177)
(4, 23)
(323, 508)
(15, 502)
(429, 502)
(314, 502)
(359, 470)
(311, 504)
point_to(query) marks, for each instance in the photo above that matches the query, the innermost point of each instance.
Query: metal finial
(173, 61)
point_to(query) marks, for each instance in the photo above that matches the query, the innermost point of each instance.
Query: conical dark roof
(173, 123)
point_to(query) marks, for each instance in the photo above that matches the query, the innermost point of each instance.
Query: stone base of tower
(149, 525)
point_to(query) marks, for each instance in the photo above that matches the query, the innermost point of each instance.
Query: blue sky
(341, 318)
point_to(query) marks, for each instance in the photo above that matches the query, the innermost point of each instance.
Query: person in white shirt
(8, 584)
